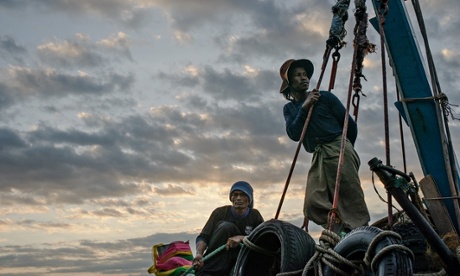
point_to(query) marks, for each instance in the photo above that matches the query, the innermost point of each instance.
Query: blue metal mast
(419, 108)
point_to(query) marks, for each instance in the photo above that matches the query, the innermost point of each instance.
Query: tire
(355, 244)
(293, 245)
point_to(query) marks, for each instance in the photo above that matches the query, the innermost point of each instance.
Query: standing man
(323, 138)
(228, 225)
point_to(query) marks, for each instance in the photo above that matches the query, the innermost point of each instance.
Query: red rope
(335, 203)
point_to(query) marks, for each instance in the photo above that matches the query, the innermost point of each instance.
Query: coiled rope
(372, 261)
(325, 254)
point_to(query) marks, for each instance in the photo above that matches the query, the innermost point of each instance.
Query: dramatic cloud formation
(124, 123)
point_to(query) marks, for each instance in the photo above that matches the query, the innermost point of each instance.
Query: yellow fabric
(172, 272)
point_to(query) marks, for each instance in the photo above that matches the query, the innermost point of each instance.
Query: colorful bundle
(171, 259)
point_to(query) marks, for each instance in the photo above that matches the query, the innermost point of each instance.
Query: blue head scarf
(245, 188)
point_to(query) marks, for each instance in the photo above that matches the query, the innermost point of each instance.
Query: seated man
(226, 225)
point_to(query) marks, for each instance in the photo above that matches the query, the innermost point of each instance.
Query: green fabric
(319, 193)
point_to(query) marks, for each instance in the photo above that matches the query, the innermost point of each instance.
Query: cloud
(9, 49)
(132, 256)
(172, 189)
(123, 119)
(33, 82)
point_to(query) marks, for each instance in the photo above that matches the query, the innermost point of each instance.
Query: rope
(443, 101)
(335, 202)
(363, 48)
(337, 31)
(442, 272)
(372, 261)
(441, 97)
(333, 214)
(380, 197)
(259, 249)
(441, 198)
(297, 272)
(389, 249)
(326, 255)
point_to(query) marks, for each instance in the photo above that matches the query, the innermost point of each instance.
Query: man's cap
(292, 63)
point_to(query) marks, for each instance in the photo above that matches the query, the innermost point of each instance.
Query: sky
(125, 123)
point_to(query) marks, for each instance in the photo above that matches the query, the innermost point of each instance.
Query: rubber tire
(355, 244)
(295, 247)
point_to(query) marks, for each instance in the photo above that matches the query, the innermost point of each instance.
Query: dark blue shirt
(245, 223)
(326, 122)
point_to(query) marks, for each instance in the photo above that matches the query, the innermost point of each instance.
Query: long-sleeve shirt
(245, 223)
(326, 122)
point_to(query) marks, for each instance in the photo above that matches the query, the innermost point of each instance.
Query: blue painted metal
(412, 81)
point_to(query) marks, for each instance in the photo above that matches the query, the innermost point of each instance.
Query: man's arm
(200, 248)
(203, 238)
(295, 119)
(339, 111)
(234, 241)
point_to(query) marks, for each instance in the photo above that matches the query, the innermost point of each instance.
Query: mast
(418, 105)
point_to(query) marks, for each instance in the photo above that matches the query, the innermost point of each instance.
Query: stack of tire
(288, 248)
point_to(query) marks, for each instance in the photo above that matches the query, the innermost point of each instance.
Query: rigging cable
(383, 10)
(401, 135)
